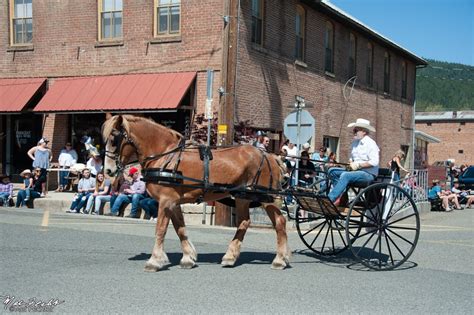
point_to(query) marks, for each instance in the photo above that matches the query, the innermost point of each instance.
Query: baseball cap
(132, 171)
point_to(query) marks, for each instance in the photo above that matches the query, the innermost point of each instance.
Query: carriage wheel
(323, 234)
(390, 226)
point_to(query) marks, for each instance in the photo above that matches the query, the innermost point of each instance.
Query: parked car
(466, 179)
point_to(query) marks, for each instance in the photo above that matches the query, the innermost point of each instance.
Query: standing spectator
(396, 165)
(101, 194)
(452, 173)
(85, 188)
(130, 195)
(264, 144)
(292, 153)
(95, 164)
(6, 190)
(67, 158)
(33, 190)
(306, 171)
(259, 141)
(41, 156)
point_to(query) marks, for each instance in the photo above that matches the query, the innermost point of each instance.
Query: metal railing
(416, 185)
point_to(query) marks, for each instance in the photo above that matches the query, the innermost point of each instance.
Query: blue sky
(435, 29)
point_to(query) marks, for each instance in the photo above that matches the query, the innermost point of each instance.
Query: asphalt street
(95, 265)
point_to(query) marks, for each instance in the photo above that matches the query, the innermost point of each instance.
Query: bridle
(122, 139)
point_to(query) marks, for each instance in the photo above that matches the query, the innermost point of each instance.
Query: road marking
(452, 242)
(45, 221)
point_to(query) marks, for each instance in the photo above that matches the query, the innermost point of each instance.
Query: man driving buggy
(364, 163)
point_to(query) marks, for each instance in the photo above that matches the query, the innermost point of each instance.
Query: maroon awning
(117, 92)
(16, 93)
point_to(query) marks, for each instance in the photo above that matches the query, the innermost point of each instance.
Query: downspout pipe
(412, 160)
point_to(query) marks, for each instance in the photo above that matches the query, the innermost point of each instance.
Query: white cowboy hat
(306, 146)
(25, 172)
(78, 167)
(362, 123)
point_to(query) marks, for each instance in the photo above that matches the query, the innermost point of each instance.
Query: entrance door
(25, 132)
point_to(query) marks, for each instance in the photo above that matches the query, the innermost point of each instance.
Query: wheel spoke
(394, 244)
(400, 236)
(401, 207)
(317, 235)
(401, 219)
(388, 247)
(403, 228)
(368, 240)
(314, 228)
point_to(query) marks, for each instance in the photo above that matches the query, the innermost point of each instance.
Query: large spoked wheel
(390, 226)
(323, 234)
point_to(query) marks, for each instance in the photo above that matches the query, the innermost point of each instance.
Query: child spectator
(6, 190)
(34, 188)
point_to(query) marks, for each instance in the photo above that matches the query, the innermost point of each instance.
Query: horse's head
(120, 148)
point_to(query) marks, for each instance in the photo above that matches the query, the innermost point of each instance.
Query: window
(404, 79)
(167, 17)
(370, 65)
(461, 151)
(329, 46)
(257, 22)
(110, 19)
(352, 55)
(300, 33)
(386, 73)
(21, 22)
(332, 143)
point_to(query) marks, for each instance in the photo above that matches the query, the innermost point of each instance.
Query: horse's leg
(158, 257)
(189, 258)
(282, 258)
(243, 222)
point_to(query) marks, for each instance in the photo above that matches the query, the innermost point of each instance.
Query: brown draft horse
(129, 137)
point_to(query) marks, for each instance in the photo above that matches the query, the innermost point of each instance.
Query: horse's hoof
(150, 267)
(187, 263)
(280, 264)
(228, 262)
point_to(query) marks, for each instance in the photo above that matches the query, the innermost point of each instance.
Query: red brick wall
(454, 137)
(269, 79)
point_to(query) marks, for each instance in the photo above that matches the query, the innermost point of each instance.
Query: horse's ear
(118, 122)
(108, 115)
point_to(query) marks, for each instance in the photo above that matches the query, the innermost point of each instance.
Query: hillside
(445, 86)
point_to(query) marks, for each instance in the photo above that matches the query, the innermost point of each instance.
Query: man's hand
(354, 166)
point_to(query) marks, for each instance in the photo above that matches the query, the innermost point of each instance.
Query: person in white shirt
(67, 158)
(364, 161)
(95, 164)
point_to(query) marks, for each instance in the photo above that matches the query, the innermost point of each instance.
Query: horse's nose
(108, 171)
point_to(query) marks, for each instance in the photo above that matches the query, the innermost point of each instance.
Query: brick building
(455, 130)
(83, 58)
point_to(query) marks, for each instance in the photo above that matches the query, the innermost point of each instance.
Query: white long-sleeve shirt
(366, 150)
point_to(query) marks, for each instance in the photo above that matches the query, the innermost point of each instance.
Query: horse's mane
(126, 120)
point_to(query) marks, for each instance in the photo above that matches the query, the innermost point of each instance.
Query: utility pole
(227, 95)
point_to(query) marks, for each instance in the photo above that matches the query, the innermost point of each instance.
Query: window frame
(261, 21)
(100, 24)
(404, 79)
(300, 46)
(386, 72)
(12, 18)
(370, 65)
(352, 55)
(156, 24)
(329, 27)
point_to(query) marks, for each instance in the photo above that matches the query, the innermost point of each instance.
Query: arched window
(300, 33)
(386, 73)
(404, 79)
(370, 65)
(352, 55)
(329, 47)
(257, 22)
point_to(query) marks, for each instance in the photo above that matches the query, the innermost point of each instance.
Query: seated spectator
(67, 158)
(34, 188)
(130, 195)
(470, 201)
(6, 190)
(306, 171)
(85, 189)
(436, 191)
(150, 206)
(100, 196)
